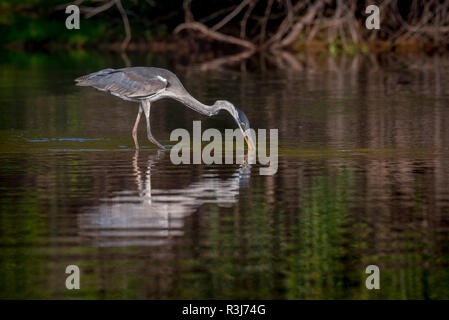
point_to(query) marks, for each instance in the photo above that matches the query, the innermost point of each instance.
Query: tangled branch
(215, 35)
(279, 24)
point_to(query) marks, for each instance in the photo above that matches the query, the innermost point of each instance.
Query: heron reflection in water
(151, 216)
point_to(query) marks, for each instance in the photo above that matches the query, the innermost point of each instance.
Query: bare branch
(125, 24)
(263, 29)
(63, 6)
(230, 16)
(297, 28)
(215, 35)
(216, 14)
(245, 18)
(90, 12)
(188, 15)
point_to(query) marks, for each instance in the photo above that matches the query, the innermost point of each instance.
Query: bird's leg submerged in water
(135, 127)
(146, 109)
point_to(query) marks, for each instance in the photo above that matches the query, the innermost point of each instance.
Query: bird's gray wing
(123, 83)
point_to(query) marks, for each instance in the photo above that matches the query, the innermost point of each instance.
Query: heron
(146, 85)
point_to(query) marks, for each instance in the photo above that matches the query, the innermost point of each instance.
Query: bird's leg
(135, 127)
(146, 108)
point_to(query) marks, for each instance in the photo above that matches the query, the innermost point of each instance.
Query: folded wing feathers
(82, 79)
(122, 83)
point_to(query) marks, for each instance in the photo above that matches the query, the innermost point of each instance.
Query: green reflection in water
(254, 248)
(314, 269)
(21, 271)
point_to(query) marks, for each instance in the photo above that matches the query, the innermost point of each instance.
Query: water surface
(363, 179)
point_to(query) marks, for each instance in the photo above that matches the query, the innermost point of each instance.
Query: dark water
(363, 179)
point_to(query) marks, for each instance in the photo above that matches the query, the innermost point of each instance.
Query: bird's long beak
(249, 140)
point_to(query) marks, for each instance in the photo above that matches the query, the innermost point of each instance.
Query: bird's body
(131, 84)
(148, 84)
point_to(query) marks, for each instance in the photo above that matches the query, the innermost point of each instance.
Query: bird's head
(239, 117)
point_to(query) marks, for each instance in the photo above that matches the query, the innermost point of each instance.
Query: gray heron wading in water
(146, 85)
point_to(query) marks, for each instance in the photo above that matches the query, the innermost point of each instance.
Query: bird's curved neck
(187, 99)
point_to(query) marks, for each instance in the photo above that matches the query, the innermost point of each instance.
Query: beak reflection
(249, 140)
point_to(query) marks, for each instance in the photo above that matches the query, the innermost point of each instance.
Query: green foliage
(315, 266)
(33, 23)
(337, 47)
